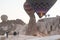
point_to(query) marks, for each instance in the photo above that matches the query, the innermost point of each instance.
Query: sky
(14, 10)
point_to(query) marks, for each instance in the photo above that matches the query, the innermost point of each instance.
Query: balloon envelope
(41, 7)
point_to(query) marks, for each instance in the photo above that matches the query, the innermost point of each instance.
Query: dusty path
(24, 37)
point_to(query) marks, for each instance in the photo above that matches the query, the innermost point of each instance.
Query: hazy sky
(14, 10)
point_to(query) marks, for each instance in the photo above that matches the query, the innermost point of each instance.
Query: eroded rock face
(6, 27)
(46, 26)
(49, 25)
(10, 25)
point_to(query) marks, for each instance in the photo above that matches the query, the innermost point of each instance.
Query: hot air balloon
(41, 7)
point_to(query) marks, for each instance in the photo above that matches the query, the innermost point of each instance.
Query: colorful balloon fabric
(41, 7)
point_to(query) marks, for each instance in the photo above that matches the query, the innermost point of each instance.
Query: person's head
(4, 17)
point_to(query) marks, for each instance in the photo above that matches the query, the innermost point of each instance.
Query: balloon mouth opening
(41, 13)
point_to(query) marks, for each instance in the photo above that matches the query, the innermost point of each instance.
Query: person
(15, 33)
(7, 34)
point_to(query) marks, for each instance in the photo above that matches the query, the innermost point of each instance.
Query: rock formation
(50, 26)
